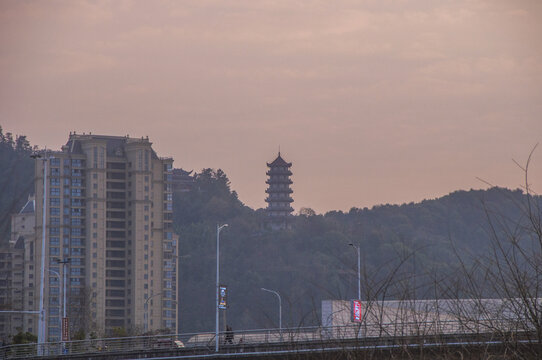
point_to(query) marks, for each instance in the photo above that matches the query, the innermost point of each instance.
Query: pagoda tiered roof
(272, 190)
(274, 207)
(278, 181)
(278, 171)
(279, 161)
(286, 200)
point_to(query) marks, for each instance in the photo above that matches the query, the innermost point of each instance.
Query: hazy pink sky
(373, 101)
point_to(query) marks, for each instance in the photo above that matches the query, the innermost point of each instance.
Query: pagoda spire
(279, 197)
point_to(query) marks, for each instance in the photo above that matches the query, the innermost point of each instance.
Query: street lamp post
(60, 305)
(41, 318)
(359, 269)
(280, 309)
(218, 228)
(64, 263)
(146, 313)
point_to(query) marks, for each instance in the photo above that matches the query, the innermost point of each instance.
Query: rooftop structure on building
(183, 181)
(109, 207)
(279, 197)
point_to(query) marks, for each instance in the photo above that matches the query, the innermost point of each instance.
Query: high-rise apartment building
(16, 275)
(11, 290)
(21, 243)
(108, 211)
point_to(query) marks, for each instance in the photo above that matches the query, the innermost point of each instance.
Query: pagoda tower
(279, 192)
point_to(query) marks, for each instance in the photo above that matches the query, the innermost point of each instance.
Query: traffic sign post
(222, 297)
(65, 329)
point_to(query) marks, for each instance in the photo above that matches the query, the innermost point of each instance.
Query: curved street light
(280, 309)
(146, 307)
(359, 269)
(60, 301)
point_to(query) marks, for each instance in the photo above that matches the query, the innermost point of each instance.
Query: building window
(95, 157)
(78, 252)
(102, 161)
(77, 212)
(77, 173)
(78, 242)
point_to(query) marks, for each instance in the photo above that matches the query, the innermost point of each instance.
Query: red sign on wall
(356, 311)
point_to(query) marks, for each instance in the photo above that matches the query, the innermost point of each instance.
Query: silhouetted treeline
(16, 177)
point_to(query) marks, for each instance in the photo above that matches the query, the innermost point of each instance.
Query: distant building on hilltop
(279, 193)
(183, 181)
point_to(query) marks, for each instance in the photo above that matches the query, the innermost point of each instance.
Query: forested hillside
(16, 177)
(408, 251)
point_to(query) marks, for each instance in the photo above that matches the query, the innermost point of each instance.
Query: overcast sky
(373, 101)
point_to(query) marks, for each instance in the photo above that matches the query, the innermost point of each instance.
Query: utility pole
(64, 263)
(359, 269)
(41, 319)
(280, 309)
(218, 228)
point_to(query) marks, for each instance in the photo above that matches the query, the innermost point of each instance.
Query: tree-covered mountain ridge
(311, 260)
